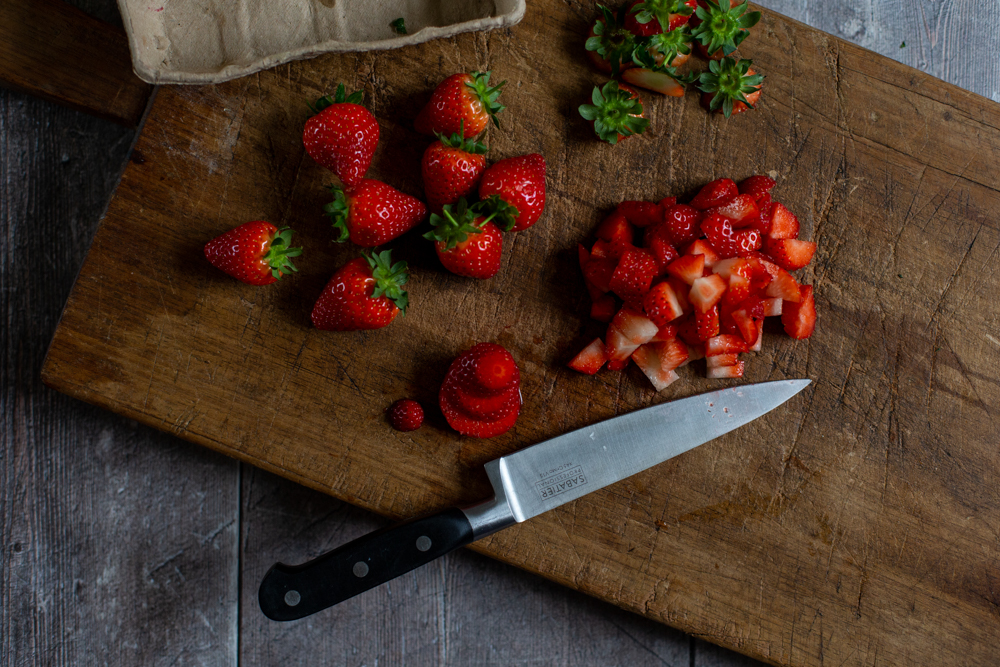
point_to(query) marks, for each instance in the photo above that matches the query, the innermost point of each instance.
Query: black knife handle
(290, 592)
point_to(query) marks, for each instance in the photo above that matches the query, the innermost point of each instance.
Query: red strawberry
(683, 222)
(799, 319)
(647, 28)
(662, 14)
(699, 327)
(463, 103)
(649, 358)
(617, 232)
(657, 241)
(706, 292)
(366, 293)
(598, 272)
(661, 304)
(633, 275)
(342, 136)
(726, 372)
(480, 395)
(519, 181)
(790, 254)
(717, 193)
(640, 213)
(628, 330)
(406, 415)
(591, 358)
(719, 360)
(730, 87)
(757, 186)
(742, 210)
(687, 268)
(256, 253)
(451, 168)
(658, 82)
(703, 247)
(609, 43)
(724, 345)
(603, 308)
(373, 213)
(467, 242)
(784, 224)
(726, 241)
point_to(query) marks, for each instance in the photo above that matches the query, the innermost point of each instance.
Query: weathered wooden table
(127, 546)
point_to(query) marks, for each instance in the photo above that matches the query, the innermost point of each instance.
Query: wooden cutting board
(856, 524)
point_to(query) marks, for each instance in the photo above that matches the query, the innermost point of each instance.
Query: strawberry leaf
(503, 214)
(455, 224)
(340, 97)
(487, 95)
(279, 254)
(389, 278)
(458, 140)
(729, 81)
(723, 26)
(339, 211)
(612, 41)
(661, 11)
(614, 112)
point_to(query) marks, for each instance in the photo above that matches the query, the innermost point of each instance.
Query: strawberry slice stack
(680, 282)
(481, 393)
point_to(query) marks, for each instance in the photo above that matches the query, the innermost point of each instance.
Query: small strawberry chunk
(634, 275)
(683, 223)
(790, 254)
(741, 210)
(687, 268)
(784, 224)
(406, 415)
(717, 360)
(673, 353)
(617, 232)
(618, 364)
(635, 326)
(724, 344)
(706, 292)
(760, 338)
(661, 304)
(681, 289)
(591, 358)
(727, 241)
(739, 289)
(666, 333)
(782, 284)
(666, 202)
(799, 319)
(640, 213)
(726, 267)
(660, 246)
(603, 308)
(647, 358)
(756, 186)
(600, 250)
(746, 325)
(716, 193)
(772, 307)
(706, 324)
(726, 372)
(703, 247)
(598, 272)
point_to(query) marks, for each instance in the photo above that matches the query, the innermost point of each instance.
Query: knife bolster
(493, 515)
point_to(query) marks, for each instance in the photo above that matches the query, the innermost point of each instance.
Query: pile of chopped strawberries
(680, 282)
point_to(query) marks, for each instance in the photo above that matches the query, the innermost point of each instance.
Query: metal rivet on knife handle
(292, 598)
(360, 569)
(423, 543)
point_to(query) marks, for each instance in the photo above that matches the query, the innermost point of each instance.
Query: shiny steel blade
(554, 472)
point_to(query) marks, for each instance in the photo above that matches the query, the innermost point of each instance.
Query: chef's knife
(525, 484)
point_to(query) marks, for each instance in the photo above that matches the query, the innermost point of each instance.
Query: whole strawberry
(467, 242)
(342, 136)
(373, 213)
(520, 182)
(451, 167)
(463, 103)
(365, 293)
(406, 414)
(256, 253)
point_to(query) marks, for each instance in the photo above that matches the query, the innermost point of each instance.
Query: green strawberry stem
(504, 215)
(724, 26)
(279, 255)
(614, 112)
(389, 278)
(611, 40)
(480, 85)
(338, 210)
(661, 10)
(340, 97)
(459, 141)
(730, 82)
(667, 45)
(457, 221)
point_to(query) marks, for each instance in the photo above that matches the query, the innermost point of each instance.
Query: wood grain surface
(64, 445)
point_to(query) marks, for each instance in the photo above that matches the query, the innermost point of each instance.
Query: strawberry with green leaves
(464, 103)
(342, 135)
(365, 293)
(616, 112)
(466, 240)
(722, 26)
(658, 16)
(452, 168)
(256, 253)
(520, 183)
(373, 213)
(730, 87)
(610, 44)
(657, 63)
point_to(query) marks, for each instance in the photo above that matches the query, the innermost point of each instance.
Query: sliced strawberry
(600, 249)
(695, 352)
(603, 308)
(681, 289)
(741, 210)
(717, 360)
(486, 407)
(724, 344)
(784, 224)
(738, 289)
(726, 267)
(657, 240)
(746, 324)
(772, 307)
(673, 353)
(635, 326)
(699, 327)
(683, 223)
(726, 372)
(790, 254)
(467, 425)
(727, 241)
(666, 333)
(703, 247)
(667, 202)
(618, 364)
(757, 186)
(799, 319)
(634, 274)
(760, 277)
(617, 232)
(598, 272)
(687, 268)
(782, 284)
(706, 292)
(593, 291)
(661, 304)
(716, 193)
(760, 338)
(754, 307)
(658, 82)
(640, 213)
(647, 358)
(591, 358)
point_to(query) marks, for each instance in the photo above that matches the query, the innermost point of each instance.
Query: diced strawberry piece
(618, 364)
(760, 277)
(647, 358)
(738, 265)
(687, 268)
(706, 292)
(754, 307)
(799, 319)
(635, 326)
(746, 325)
(706, 324)
(726, 372)
(739, 289)
(600, 249)
(741, 210)
(681, 289)
(591, 358)
(603, 308)
(727, 241)
(618, 345)
(584, 255)
(667, 202)
(724, 344)
(716, 193)
(660, 246)
(790, 254)
(598, 272)
(756, 186)
(640, 213)
(760, 338)
(617, 231)
(703, 247)
(665, 333)
(682, 223)
(772, 307)
(783, 285)
(722, 360)
(784, 224)
(673, 353)
(659, 82)
(593, 291)
(695, 352)
(661, 304)
(634, 275)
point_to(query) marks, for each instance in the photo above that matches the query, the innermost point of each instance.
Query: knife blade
(525, 484)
